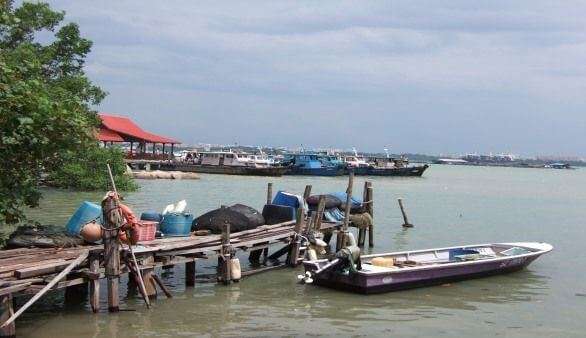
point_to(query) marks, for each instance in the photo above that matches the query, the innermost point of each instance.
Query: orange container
(147, 230)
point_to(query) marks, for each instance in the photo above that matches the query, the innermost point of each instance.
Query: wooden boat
(411, 269)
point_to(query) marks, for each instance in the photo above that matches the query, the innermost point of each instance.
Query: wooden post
(147, 277)
(112, 220)
(343, 235)
(94, 260)
(362, 232)
(6, 311)
(225, 254)
(406, 223)
(190, 273)
(307, 192)
(269, 193)
(321, 206)
(295, 240)
(370, 210)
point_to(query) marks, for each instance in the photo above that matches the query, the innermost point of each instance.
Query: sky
(435, 77)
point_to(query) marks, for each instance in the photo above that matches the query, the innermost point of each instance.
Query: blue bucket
(176, 224)
(86, 212)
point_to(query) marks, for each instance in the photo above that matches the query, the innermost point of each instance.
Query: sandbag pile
(159, 174)
(240, 217)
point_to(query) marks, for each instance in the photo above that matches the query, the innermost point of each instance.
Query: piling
(112, 223)
(362, 231)
(307, 192)
(269, 193)
(295, 245)
(190, 273)
(343, 235)
(406, 223)
(6, 311)
(94, 283)
(321, 206)
(225, 255)
(370, 210)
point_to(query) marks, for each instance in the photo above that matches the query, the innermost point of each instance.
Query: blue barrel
(176, 224)
(86, 212)
(151, 216)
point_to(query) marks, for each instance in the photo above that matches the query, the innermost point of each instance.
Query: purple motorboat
(410, 269)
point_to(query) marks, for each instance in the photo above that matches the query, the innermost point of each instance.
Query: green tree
(46, 100)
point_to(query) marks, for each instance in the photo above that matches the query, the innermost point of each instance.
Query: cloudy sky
(416, 76)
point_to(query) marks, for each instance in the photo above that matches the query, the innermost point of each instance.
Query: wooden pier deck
(29, 271)
(36, 271)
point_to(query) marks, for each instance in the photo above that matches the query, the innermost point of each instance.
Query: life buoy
(130, 227)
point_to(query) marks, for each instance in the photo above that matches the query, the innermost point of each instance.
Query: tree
(46, 119)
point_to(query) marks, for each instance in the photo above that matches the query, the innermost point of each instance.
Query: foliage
(45, 102)
(89, 172)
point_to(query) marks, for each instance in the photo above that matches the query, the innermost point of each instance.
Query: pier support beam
(147, 277)
(6, 311)
(190, 273)
(94, 283)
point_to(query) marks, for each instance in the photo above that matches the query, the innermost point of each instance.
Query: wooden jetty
(35, 271)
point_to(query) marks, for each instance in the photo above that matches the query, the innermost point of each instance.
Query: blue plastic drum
(86, 213)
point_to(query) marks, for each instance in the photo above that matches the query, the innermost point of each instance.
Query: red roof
(127, 129)
(107, 135)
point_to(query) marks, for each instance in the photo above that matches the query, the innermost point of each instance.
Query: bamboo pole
(47, 287)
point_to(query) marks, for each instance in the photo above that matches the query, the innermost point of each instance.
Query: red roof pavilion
(122, 129)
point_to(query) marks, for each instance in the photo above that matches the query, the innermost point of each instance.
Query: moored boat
(410, 269)
(311, 164)
(226, 162)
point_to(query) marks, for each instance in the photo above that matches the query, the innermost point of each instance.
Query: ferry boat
(311, 164)
(226, 162)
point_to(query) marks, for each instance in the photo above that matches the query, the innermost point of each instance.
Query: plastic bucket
(86, 212)
(175, 224)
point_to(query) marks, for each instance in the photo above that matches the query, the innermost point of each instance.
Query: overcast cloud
(418, 76)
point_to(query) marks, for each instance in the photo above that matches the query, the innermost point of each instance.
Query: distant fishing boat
(411, 269)
(311, 164)
(226, 162)
(382, 166)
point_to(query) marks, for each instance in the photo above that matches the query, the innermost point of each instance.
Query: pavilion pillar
(131, 143)
(163, 148)
(154, 148)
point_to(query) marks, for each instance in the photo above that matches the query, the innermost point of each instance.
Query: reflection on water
(451, 206)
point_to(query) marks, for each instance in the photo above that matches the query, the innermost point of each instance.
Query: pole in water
(406, 223)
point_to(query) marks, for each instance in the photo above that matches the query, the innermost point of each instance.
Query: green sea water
(450, 205)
